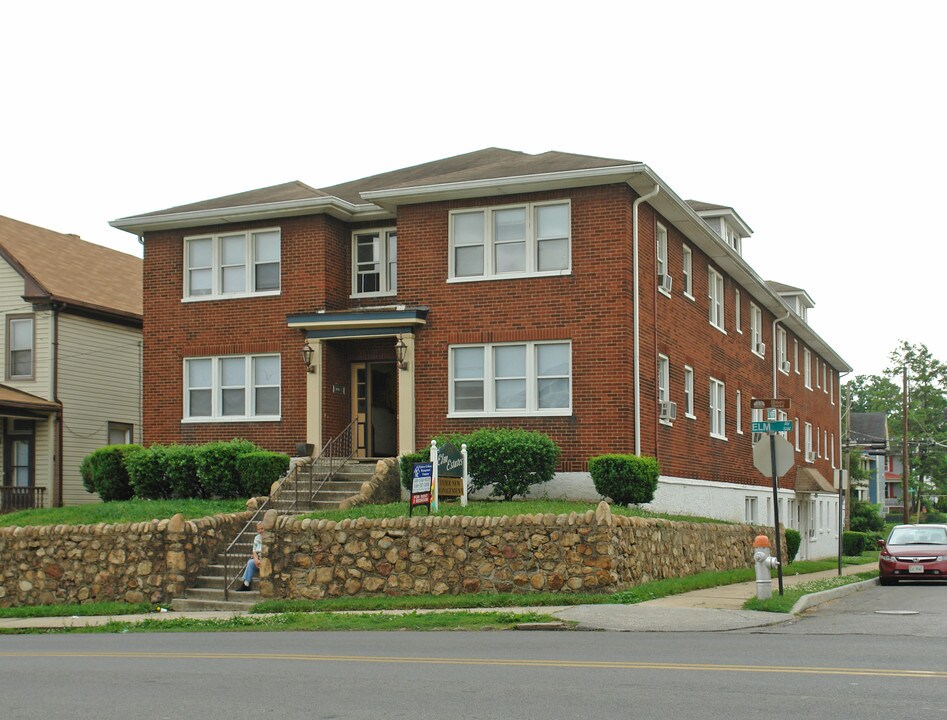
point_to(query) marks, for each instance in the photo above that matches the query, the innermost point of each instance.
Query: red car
(913, 552)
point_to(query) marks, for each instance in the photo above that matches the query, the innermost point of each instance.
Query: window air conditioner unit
(760, 348)
(664, 282)
(668, 410)
(810, 455)
(784, 366)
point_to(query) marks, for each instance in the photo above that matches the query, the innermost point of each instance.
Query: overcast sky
(822, 123)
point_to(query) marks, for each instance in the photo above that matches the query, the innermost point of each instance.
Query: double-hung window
(687, 272)
(808, 442)
(737, 311)
(782, 351)
(715, 294)
(756, 330)
(375, 269)
(20, 343)
(510, 241)
(236, 264)
(718, 409)
(664, 377)
(661, 258)
(232, 388)
(689, 391)
(511, 379)
(807, 367)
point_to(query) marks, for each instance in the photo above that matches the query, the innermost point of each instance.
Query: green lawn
(121, 512)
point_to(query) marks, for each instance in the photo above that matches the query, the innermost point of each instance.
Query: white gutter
(634, 244)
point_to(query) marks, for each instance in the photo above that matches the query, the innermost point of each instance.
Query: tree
(927, 413)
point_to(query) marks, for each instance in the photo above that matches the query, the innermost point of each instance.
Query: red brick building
(578, 296)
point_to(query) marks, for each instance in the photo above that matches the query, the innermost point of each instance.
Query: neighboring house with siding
(573, 295)
(71, 361)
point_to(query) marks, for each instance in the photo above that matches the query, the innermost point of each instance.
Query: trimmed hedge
(853, 543)
(511, 460)
(793, 541)
(626, 479)
(147, 474)
(103, 472)
(217, 467)
(259, 470)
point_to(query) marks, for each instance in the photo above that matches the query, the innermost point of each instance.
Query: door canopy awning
(361, 323)
(810, 480)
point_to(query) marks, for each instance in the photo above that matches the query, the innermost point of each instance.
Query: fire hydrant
(764, 563)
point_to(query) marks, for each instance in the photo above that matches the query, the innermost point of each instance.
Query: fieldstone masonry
(312, 559)
(131, 562)
(440, 555)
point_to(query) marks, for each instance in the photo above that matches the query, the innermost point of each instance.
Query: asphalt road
(844, 660)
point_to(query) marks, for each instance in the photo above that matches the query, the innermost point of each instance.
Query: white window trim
(718, 391)
(532, 247)
(807, 368)
(12, 320)
(689, 392)
(216, 415)
(215, 267)
(716, 287)
(384, 234)
(489, 392)
(664, 380)
(796, 430)
(808, 441)
(756, 330)
(661, 256)
(739, 412)
(795, 354)
(736, 301)
(687, 270)
(781, 350)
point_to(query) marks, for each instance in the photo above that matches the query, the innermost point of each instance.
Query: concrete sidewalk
(709, 610)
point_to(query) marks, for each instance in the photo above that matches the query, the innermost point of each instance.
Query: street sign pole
(779, 552)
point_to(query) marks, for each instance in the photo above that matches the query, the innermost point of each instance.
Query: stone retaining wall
(592, 552)
(131, 562)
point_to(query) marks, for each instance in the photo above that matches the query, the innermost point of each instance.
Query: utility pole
(848, 452)
(905, 460)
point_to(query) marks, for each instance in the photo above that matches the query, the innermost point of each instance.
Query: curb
(814, 599)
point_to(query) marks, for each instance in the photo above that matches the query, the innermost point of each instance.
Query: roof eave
(392, 198)
(336, 207)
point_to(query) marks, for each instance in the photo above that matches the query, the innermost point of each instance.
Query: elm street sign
(772, 426)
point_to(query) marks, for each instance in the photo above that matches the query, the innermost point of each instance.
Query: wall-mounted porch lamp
(308, 352)
(401, 352)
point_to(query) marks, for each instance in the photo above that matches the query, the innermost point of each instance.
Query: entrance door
(375, 408)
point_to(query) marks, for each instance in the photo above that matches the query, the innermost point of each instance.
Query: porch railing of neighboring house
(305, 480)
(13, 498)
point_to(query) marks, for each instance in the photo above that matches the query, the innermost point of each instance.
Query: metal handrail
(258, 513)
(338, 451)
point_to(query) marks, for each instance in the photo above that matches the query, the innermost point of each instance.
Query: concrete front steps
(207, 593)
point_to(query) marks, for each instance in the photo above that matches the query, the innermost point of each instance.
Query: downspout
(634, 250)
(54, 394)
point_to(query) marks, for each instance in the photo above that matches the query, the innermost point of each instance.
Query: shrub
(146, 473)
(853, 543)
(511, 460)
(259, 470)
(864, 517)
(103, 472)
(626, 479)
(217, 467)
(935, 517)
(406, 465)
(180, 469)
(793, 541)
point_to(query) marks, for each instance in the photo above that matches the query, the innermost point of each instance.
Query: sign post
(771, 427)
(841, 482)
(421, 487)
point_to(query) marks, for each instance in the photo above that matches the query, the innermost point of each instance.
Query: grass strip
(785, 602)
(85, 610)
(122, 511)
(451, 620)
